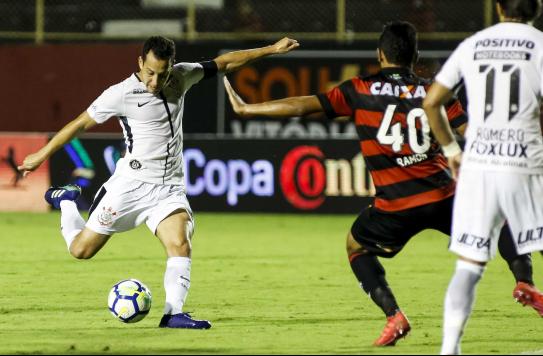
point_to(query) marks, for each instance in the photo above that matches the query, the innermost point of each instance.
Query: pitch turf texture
(271, 284)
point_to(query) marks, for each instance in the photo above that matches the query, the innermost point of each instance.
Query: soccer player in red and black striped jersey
(414, 186)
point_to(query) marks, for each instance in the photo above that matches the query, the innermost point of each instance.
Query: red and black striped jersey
(403, 158)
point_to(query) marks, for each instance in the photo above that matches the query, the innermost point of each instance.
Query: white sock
(176, 284)
(71, 222)
(459, 302)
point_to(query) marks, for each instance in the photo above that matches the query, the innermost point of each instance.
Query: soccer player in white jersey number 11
(501, 176)
(148, 183)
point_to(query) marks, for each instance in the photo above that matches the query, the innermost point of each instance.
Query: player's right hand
(285, 45)
(237, 102)
(31, 163)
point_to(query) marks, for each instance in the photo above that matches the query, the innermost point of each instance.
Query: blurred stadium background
(202, 20)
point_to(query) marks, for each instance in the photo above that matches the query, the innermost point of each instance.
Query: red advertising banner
(18, 193)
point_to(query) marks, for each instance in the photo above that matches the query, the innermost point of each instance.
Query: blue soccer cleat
(55, 195)
(182, 321)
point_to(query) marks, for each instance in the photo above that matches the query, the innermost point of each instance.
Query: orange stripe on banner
(415, 200)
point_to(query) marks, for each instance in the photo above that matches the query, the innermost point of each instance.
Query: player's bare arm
(437, 96)
(232, 61)
(461, 130)
(282, 108)
(82, 123)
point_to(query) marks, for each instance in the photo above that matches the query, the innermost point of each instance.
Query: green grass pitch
(278, 284)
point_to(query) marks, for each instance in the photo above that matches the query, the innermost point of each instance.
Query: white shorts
(122, 204)
(484, 201)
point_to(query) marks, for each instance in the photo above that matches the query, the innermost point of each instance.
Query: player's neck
(513, 20)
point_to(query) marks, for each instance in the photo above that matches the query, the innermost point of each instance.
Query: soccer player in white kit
(148, 183)
(501, 176)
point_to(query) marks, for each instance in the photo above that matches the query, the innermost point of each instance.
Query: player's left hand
(237, 102)
(285, 45)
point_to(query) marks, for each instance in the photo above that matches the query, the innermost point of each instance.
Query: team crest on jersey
(135, 164)
(106, 216)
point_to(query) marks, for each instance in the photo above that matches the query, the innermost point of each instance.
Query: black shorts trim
(97, 199)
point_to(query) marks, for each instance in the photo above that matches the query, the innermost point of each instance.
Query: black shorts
(386, 233)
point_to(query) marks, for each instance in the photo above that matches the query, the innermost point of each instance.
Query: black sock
(371, 275)
(520, 265)
(522, 268)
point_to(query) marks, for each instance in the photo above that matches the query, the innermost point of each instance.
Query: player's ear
(140, 62)
(379, 55)
(500, 11)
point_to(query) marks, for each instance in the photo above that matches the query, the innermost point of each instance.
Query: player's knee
(179, 246)
(81, 252)
(352, 245)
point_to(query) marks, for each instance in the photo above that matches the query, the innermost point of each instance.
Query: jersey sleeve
(336, 102)
(194, 72)
(455, 113)
(450, 74)
(108, 104)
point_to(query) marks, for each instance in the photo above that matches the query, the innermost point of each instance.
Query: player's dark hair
(523, 10)
(398, 42)
(162, 47)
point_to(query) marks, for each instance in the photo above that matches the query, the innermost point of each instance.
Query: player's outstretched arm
(437, 96)
(288, 107)
(82, 123)
(232, 61)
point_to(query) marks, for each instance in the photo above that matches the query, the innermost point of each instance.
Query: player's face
(154, 72)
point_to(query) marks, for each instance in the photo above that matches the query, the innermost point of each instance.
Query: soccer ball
(129, 301)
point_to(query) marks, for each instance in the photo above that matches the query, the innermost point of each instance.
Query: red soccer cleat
(527, 294)
(396, 328)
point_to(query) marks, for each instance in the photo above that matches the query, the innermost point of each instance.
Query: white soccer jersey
(152, 124)
(502, 69)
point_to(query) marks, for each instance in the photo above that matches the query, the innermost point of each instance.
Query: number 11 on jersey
(490, 87)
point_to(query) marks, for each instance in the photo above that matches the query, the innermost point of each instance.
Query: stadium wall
(49, 85)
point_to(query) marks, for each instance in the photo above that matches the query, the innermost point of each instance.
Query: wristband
(452, 149)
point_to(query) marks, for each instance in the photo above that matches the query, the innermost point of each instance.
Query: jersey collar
(396, 70)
